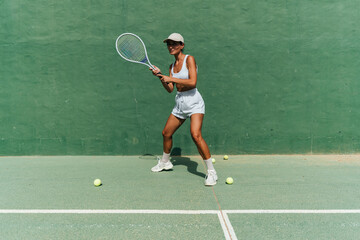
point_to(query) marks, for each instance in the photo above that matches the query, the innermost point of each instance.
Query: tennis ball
(229, 180)
(213, 160)
(97, 182)
(226, 157)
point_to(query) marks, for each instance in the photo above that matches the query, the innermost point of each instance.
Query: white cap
(176, 37)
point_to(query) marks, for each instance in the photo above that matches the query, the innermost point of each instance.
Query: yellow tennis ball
(97, 182)
(229, 180)
(213, 160)
(226, 157)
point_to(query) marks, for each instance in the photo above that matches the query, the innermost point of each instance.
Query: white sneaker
(211, 177)
(162, 166)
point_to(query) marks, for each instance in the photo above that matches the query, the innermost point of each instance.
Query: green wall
(277, 76)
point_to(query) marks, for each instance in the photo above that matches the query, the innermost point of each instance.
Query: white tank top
(184, 72)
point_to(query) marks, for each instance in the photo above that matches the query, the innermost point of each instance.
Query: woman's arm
(168, 86)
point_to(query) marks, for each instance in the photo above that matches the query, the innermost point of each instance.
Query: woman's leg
(195, 129)
(172, 124)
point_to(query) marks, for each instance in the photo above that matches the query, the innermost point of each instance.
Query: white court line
(230, 227)
(125, 211)
(225, 223)
(151, 211)
(224, 227)
(298, 211)
(107, 211)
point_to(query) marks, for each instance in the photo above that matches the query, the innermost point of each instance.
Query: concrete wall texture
(277, 76)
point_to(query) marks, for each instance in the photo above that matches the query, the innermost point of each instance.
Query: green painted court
(280, 82)
(273, 197)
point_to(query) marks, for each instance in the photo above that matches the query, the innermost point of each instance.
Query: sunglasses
(172, 43)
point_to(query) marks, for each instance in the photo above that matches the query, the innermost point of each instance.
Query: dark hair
(183, 47)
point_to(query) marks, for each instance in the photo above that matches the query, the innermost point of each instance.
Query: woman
(189, 103)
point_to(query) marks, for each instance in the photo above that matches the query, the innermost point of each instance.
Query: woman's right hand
(155, 71)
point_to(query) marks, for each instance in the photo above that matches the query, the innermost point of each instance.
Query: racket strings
(131, 48)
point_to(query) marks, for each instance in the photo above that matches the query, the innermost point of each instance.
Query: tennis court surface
(273, 197)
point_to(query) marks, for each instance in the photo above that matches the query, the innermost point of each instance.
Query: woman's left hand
(165, 79)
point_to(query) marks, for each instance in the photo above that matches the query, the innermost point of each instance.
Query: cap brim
(172, 40)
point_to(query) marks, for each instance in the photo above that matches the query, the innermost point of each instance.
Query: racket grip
(160, 77)
(159, 73)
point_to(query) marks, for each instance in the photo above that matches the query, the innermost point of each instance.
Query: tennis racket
(131, 48)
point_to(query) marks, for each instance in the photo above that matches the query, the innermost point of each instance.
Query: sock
(209, 164)
(166, 157)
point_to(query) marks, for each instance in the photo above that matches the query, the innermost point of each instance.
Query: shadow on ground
(192, 166)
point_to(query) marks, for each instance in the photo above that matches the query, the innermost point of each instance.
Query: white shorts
(188, 103)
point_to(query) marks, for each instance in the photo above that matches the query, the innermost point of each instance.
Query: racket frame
(146, 56)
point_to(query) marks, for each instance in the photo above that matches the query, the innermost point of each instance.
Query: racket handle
(160, 77)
